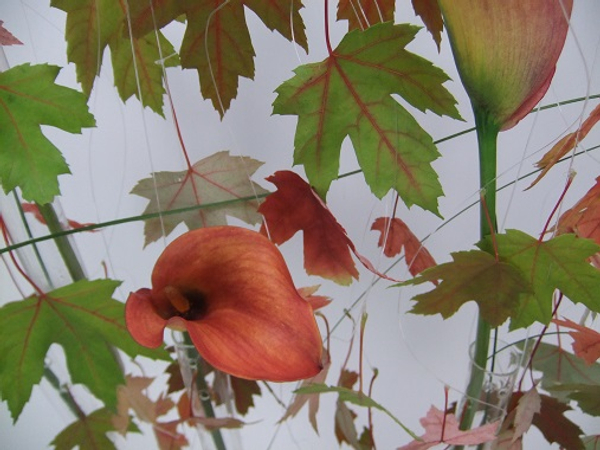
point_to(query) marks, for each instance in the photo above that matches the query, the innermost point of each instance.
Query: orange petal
(145, 325)
(245, 317)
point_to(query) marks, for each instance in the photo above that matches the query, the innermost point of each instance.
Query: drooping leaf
(28, 99)
(89, 432)
(217, 41)
(33, 209)
(429, 11)
(219, 179)
(345, 428)
(244, 391)
(82, 318)
(558, 263)
(443, 428)
(6, 37)
(586, 342)
(327, 248)
(472, 275)
(361, 14)
(553, 424)
(528, 406)
(566, 144)
(92, 26)
(395, 236)
(349, 94)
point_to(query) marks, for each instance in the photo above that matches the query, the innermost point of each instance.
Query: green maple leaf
(29, 98)
(89, 432)
(94, 25)
(559, 263)
(219, 183)
(350, 94)
(216, 41)
(472, 275)
(83, 319)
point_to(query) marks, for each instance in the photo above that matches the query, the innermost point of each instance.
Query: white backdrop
(416, 356)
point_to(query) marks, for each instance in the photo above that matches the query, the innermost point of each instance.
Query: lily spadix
(506, 52)
(230, 288)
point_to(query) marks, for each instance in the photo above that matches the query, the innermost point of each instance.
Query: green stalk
(62, 242)
(487, 135)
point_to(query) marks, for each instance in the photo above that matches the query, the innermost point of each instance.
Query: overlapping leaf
(586, 342)
(92, 26)
(216, 41)
(476, 275)
(559, 263)
(219, 183)
(85, 321)
(88, 432)
(350, 94)
(29, 98)
(361, 14)
(431, 15)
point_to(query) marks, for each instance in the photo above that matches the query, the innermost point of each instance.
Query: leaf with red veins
(327, 248)
(350, 94)
(395, 236)
(219, 183)
(441, 428)
(361, 14)
(431, 15)
(586, 342)
(6, 37)
(566, 144)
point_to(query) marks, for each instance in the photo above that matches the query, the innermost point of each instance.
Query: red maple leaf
(296, 207)
(395, 236)
(586, 342)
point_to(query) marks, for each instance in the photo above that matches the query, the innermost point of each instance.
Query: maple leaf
(430, 13)
(83, 319)
(219, 183)
(566, 144)
(443, 428)
(6, 37)
(550, 420)
(316, 301)
(33, 209)
(244, 391)
(29, 98)
(586, 342)
(472, 275)
(296, 207)
(395, 236)
(361, 14)
(88, 432)
(217, 41)
(349, 94)
(558, 263)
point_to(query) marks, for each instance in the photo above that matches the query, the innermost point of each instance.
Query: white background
(416, 356)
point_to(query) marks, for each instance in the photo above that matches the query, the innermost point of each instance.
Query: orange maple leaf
(395, 236)
(586, 342)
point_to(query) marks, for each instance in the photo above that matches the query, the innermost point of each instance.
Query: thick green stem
(62, 242)
(487, 134)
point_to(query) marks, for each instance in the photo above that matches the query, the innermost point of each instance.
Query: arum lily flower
(506, 52)
(231, 290)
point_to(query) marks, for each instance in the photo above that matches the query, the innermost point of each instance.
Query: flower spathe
(506, 52)
(230, 288)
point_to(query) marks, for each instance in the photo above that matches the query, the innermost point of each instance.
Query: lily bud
(231, 290)
(506, 52)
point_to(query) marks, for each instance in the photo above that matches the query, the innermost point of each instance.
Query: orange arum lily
(506, 52)
(230, 288)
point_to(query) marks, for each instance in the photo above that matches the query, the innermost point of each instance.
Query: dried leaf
(472, 275)
(586, 342)
(361, 14)
(218, 183)
(528, 405)
(395, 236)
(244, 391)
(350, 94)
(443, 428)
(566, 144)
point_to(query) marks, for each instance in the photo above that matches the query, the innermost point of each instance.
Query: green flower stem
(487, 135)
(64, 246)
(204, 394)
